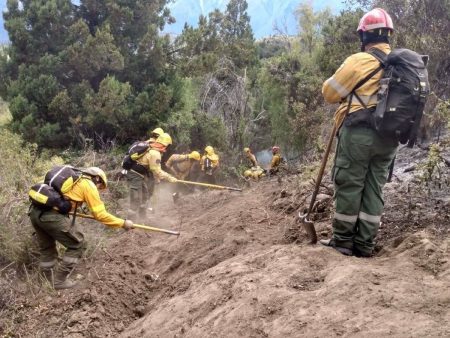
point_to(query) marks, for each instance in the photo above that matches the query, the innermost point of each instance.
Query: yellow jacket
(276, 160)
(213, 158)
(252, 159)
(180, 165)
(84, 190)
(355, 68)
(257, 173)
(152, 161)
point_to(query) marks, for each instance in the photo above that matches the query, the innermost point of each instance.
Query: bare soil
(243, 267)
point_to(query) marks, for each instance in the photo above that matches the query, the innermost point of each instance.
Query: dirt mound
(241, 268)
(292, 291)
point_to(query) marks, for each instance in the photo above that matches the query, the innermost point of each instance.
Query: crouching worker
(254, 173)
(64, 190)
(182, 165)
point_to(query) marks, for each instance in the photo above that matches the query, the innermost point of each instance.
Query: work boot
(61, 280)
(362, 254)
(332, 243)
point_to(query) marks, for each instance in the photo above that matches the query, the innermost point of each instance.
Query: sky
(264, 14)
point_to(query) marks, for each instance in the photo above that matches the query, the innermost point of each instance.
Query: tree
(98, 69)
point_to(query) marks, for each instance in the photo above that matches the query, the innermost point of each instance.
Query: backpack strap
(379, 55)
(382, 58)
(359, 84)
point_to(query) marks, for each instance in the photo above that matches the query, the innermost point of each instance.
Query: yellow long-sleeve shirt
(355, 68)
(84, 190)
(214, 158)
(276, 160)
(180, 165)
(152, 161)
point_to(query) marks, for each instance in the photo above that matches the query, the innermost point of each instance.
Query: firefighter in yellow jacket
(251, 157)
(143, 175)
(210, 164)
(254, 173)
(51, 226)
(276, 160)
(181, 165)
(362, 156)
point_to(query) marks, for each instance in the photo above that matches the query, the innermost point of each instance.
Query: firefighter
(251, 157)
(209, 164)
(51, 226)
(144, 174)
(362, 156)
(182, 165)
(276, 160)
(254, 173)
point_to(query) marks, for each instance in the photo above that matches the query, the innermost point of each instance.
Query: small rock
(139, 310)
(119, 326)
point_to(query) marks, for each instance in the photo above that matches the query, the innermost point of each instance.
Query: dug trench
(242, 266)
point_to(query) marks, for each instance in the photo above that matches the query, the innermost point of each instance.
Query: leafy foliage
(95, 70)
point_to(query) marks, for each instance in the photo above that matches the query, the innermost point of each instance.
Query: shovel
(308, 225)
(138, 226)
(213, 186)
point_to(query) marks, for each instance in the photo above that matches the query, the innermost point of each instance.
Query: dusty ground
(242, 267)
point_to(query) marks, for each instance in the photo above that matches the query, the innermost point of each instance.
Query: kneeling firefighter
(254, 173)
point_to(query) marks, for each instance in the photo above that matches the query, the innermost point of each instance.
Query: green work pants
(141, 189)
(51, 226)
(360, 172)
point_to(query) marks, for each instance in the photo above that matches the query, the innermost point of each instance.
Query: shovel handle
(149, 228)
(137, 226)
(322, 169)
(214, 186)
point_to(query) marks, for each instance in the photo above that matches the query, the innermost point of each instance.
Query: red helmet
(275, 149)
(375, 19)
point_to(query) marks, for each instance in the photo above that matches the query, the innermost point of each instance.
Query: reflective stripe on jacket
(84, 190)
(355, 68)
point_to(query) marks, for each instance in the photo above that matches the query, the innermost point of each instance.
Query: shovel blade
(309, 228)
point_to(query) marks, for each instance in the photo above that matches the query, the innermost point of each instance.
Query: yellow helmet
(195, 155)
(246, 150)
(209, 150)
(97, 172)
(248, 173)
(164, 139)
(158, 131)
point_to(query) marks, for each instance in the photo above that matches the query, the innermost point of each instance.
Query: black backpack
(59, 180)
(403, 91)
(136, 151)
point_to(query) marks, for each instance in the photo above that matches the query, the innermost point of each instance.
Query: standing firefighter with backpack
(143, 163)
(64, 189)
(382, 96)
